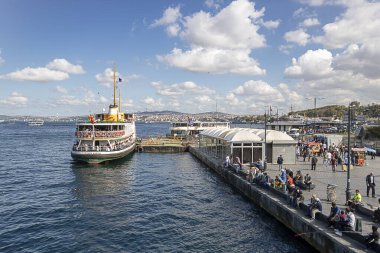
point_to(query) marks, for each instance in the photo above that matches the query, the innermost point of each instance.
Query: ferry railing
(99, 134)
(102, 148)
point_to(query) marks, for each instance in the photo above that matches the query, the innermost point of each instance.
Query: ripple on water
(146, 203)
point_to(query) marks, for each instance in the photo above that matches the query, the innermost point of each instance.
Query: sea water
(144, 203)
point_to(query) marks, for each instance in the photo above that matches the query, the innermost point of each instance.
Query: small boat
(105, 136)
(36, 123)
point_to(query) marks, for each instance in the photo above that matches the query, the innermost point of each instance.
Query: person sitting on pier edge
(297, 198)
(297, 180)
(278, 183)
(238, 168)
(307, 181)
(259, 164)
(349, 221)
(376, 213)
(333, 218)
(355, 201)
(227, 162)
(291, 189)
(289, 181)
(314, 207)
(372, 239)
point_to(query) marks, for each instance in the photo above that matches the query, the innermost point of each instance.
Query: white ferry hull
(95, 157)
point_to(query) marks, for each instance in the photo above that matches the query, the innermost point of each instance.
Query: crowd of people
(294, 183)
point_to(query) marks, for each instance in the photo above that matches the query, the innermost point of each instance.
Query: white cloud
(311, 65)
(127, 103)
(36, 74)
(106, 78)
(298, 36)
(271, 24)
(260, 89)
(155, 104)
(360, 59)
(219, 43)
(173, 30)
(103, 100)
(292, 96)
(69, 100)
(359, 24)
(61, 89)
(204, 100)
(285, 48)
(170, 16)
(213, 3)
(234, 27)
(314, 2)
(180, 89)
(213, 61)
(86, 98)
(16, 99)
(65, 66)
(310, 22)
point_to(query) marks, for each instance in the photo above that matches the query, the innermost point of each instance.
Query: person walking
(370, 179)
(314, 161)
(280, 161)
(333, 163)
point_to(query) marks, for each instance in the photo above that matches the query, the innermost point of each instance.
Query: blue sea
(144, 203)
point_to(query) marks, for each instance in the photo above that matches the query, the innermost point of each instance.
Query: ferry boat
(36, 123)
(105, 136)
(185, 129)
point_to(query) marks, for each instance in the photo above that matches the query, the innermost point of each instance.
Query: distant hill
(159, 113)
(338, 111)
(326, 111)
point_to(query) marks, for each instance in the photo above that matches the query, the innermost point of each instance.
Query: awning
(370, 150)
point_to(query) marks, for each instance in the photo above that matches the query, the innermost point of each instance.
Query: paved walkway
(324, 176)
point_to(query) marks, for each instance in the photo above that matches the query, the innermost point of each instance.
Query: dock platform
(162, 145)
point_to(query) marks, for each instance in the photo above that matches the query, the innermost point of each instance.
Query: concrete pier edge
(315, 233)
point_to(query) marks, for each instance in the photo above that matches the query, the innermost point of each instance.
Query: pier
(162, 145)
(315, 232)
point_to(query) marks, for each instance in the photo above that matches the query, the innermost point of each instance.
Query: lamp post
(265, 141)
(348, 189)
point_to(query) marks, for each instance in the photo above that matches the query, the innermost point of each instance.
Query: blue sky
(56, 57)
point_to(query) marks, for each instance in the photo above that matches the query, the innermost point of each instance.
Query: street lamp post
(348, 189)
(265, 141)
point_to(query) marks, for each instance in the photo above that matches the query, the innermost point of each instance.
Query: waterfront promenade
(315, 231)
(323, 176)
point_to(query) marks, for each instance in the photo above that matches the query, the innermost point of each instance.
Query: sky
(241, 57)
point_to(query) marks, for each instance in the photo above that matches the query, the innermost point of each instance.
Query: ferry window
(247, 144)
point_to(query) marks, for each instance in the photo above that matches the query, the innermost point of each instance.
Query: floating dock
(162, 145)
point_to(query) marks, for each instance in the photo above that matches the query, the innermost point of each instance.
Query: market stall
(359, 156)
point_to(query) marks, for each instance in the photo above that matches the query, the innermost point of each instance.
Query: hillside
(338, 111)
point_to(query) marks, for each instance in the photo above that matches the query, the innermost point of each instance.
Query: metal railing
(102, 148)
(99, 134)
